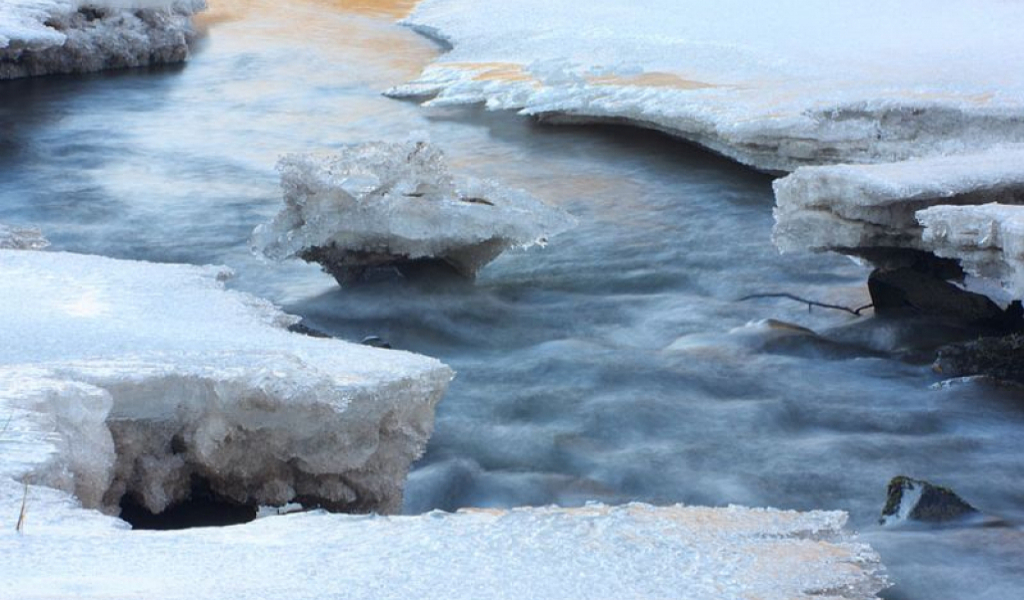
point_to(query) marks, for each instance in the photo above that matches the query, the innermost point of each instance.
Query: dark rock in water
(375, 341)
(1001, 358)
(304, 329)
(917, 500)
(918, 291)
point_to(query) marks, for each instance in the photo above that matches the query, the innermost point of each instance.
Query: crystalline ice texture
(38, 37)
(380, 204)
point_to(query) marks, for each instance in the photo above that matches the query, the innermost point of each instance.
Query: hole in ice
(202, 508)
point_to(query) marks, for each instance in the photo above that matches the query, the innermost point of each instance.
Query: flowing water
(615, 365)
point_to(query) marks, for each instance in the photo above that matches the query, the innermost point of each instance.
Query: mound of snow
(122, 378)
(21, 238)
(633, 551)
(380, 204)
(772, 85)
(38, 37)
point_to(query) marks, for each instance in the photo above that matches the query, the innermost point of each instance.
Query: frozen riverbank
(632, 551)
(39, 37)
(127, 381)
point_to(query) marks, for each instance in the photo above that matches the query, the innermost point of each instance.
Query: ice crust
(128, 377)
(633, 551)
(967, 202)
(379, 204)
(988, 240)
(39, 37)
(775, 87)
(21, 238)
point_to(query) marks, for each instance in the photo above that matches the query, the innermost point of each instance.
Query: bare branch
(809, 303)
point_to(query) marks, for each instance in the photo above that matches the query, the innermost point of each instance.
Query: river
(616, 364)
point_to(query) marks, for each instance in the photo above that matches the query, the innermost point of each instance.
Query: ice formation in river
(632, 551)
(21, 238)
(38, 37)
(381, 204)
(988, 240)
(773, 86)
(122, 378)
(966, 203)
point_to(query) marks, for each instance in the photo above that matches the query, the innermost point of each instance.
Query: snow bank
(987, 240)
(633, 551)
(38, 37)
(772, 85)
(21, 238)
(122, 378)
(380, 204)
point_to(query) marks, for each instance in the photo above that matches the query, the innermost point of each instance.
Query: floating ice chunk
(856, 208)
(122, 378)
(380, 204)
(632, 551)
(987, 240)
(38, 37)
(773, 86)
(21, 238)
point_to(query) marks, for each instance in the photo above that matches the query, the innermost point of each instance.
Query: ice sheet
(122, 377)
(633, 551)
(774, 85)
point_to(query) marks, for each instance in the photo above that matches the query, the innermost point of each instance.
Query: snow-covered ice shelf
(39, 37)
(772, 85)
(988, 240)
(847, 207)
(122, 378)
(634, 551)
(379, 205)
(968, 204)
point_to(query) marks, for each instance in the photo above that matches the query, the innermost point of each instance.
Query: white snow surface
(775, 85)
(988, 240)
(633, 551)
(377, 203)
(21, 238)
(106, 365)
(39, 37)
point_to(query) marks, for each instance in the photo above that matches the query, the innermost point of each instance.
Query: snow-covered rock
(633, 551)
(380, 204)
(128, 378)
(38, 37)
(772, 85)
(987, 240)
(21, 238)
